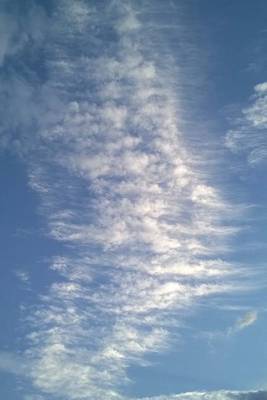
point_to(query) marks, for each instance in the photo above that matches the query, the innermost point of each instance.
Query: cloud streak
(242, 323)
(220, 395)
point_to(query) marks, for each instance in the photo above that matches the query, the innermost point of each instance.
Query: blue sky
(133, 160)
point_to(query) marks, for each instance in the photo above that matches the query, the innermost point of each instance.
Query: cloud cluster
(143, 229)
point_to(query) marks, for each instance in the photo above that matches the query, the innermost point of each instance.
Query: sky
(133, 156)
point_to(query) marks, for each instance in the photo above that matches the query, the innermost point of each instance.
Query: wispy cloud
(23, 276)
(220, 395)
(244, 322)
(18, 30)
(144, 231)
(13, 363)
(248, 135)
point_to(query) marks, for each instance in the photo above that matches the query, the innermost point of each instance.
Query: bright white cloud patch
(118, 186)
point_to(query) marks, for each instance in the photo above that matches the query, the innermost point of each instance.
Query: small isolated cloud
(22, 276)
(247, 320)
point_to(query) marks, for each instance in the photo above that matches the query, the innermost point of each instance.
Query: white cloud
(249, 319)
(248, 136)
(220, 395)
(117, 185)
(23, 276)
(244, 322)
